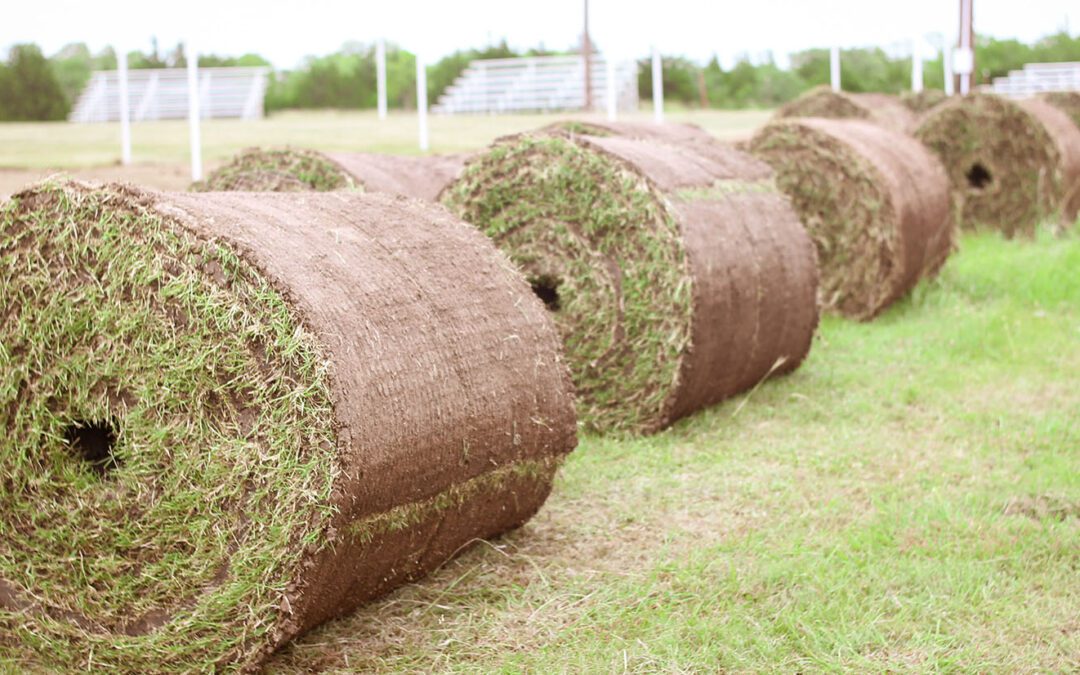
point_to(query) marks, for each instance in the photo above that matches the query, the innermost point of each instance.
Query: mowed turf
(908, 500)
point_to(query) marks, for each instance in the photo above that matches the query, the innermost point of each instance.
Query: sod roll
(229, 417)
(882, 109)
(875, 202)
(677, 275)
(923, 101)
(296, 170)
(1067, 102)
(1011, 164)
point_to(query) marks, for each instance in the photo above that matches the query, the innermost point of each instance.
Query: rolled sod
(1011, 164)
(1067, 102)
(296, 170)
(875, 201)
(676, 273)
(924, 101)
(884, 109)
(229, 417)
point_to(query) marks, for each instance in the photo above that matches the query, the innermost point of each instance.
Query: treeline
(33, 87)
(765, 85)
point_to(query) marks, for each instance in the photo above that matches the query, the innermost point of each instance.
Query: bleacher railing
(537, 84)
(161, 94)
(1036, 78)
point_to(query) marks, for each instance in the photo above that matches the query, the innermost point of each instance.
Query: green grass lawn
(44, 145)
(908, 500)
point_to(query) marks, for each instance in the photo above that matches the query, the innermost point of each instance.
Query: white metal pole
(916, 65)
(421, 101)
(125, 107)
(612, 102)
(380, 75)
(946, 57)
(657, 86)
(834, 67)
(195, 136)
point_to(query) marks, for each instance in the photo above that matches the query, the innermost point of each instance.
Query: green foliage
(750, 86)
(29, 89)
(680, 79)
(346, 79)
(74, 63)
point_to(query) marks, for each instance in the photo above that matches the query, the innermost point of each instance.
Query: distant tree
(29, 89)
(73, 65)
(680, 79)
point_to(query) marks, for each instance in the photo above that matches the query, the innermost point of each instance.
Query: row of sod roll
(230, 417)
(298, 170)
(1011, 163)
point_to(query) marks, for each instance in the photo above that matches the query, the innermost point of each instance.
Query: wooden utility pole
(703, 92)
(586, 53)
(964, 63)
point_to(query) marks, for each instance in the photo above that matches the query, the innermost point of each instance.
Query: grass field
(908, 500)
(38, 145)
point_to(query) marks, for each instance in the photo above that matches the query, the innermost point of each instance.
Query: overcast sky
(286, 32)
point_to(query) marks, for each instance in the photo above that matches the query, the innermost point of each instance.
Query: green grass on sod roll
(278, 170)
(547, 194)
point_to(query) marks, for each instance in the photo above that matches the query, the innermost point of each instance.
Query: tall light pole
(586, 51)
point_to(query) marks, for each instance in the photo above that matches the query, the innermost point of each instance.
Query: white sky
(286, 32)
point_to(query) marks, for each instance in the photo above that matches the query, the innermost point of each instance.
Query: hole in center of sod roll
(93, 443)
(978, 176)
(547, 289)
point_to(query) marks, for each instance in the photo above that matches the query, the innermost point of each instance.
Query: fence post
(380, 75)
(612, 103)
(916, 65)
(657, 86)
(421, 101)
(834, 67)
(194, 130)
(125, 110)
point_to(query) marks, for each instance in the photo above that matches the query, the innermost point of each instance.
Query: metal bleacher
(161, 94)
(537, 84)
(1036, 78)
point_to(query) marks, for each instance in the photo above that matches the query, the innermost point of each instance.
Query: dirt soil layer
(676, 272)
(295, 170)
(230, 417)
(1011, 164)
(888, 111)
(875, 201)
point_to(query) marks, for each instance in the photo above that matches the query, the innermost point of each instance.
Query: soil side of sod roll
(1011, 164)
(297, 170)
(676, 273)
(884, 109)
(875, 202)
(229, 417)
